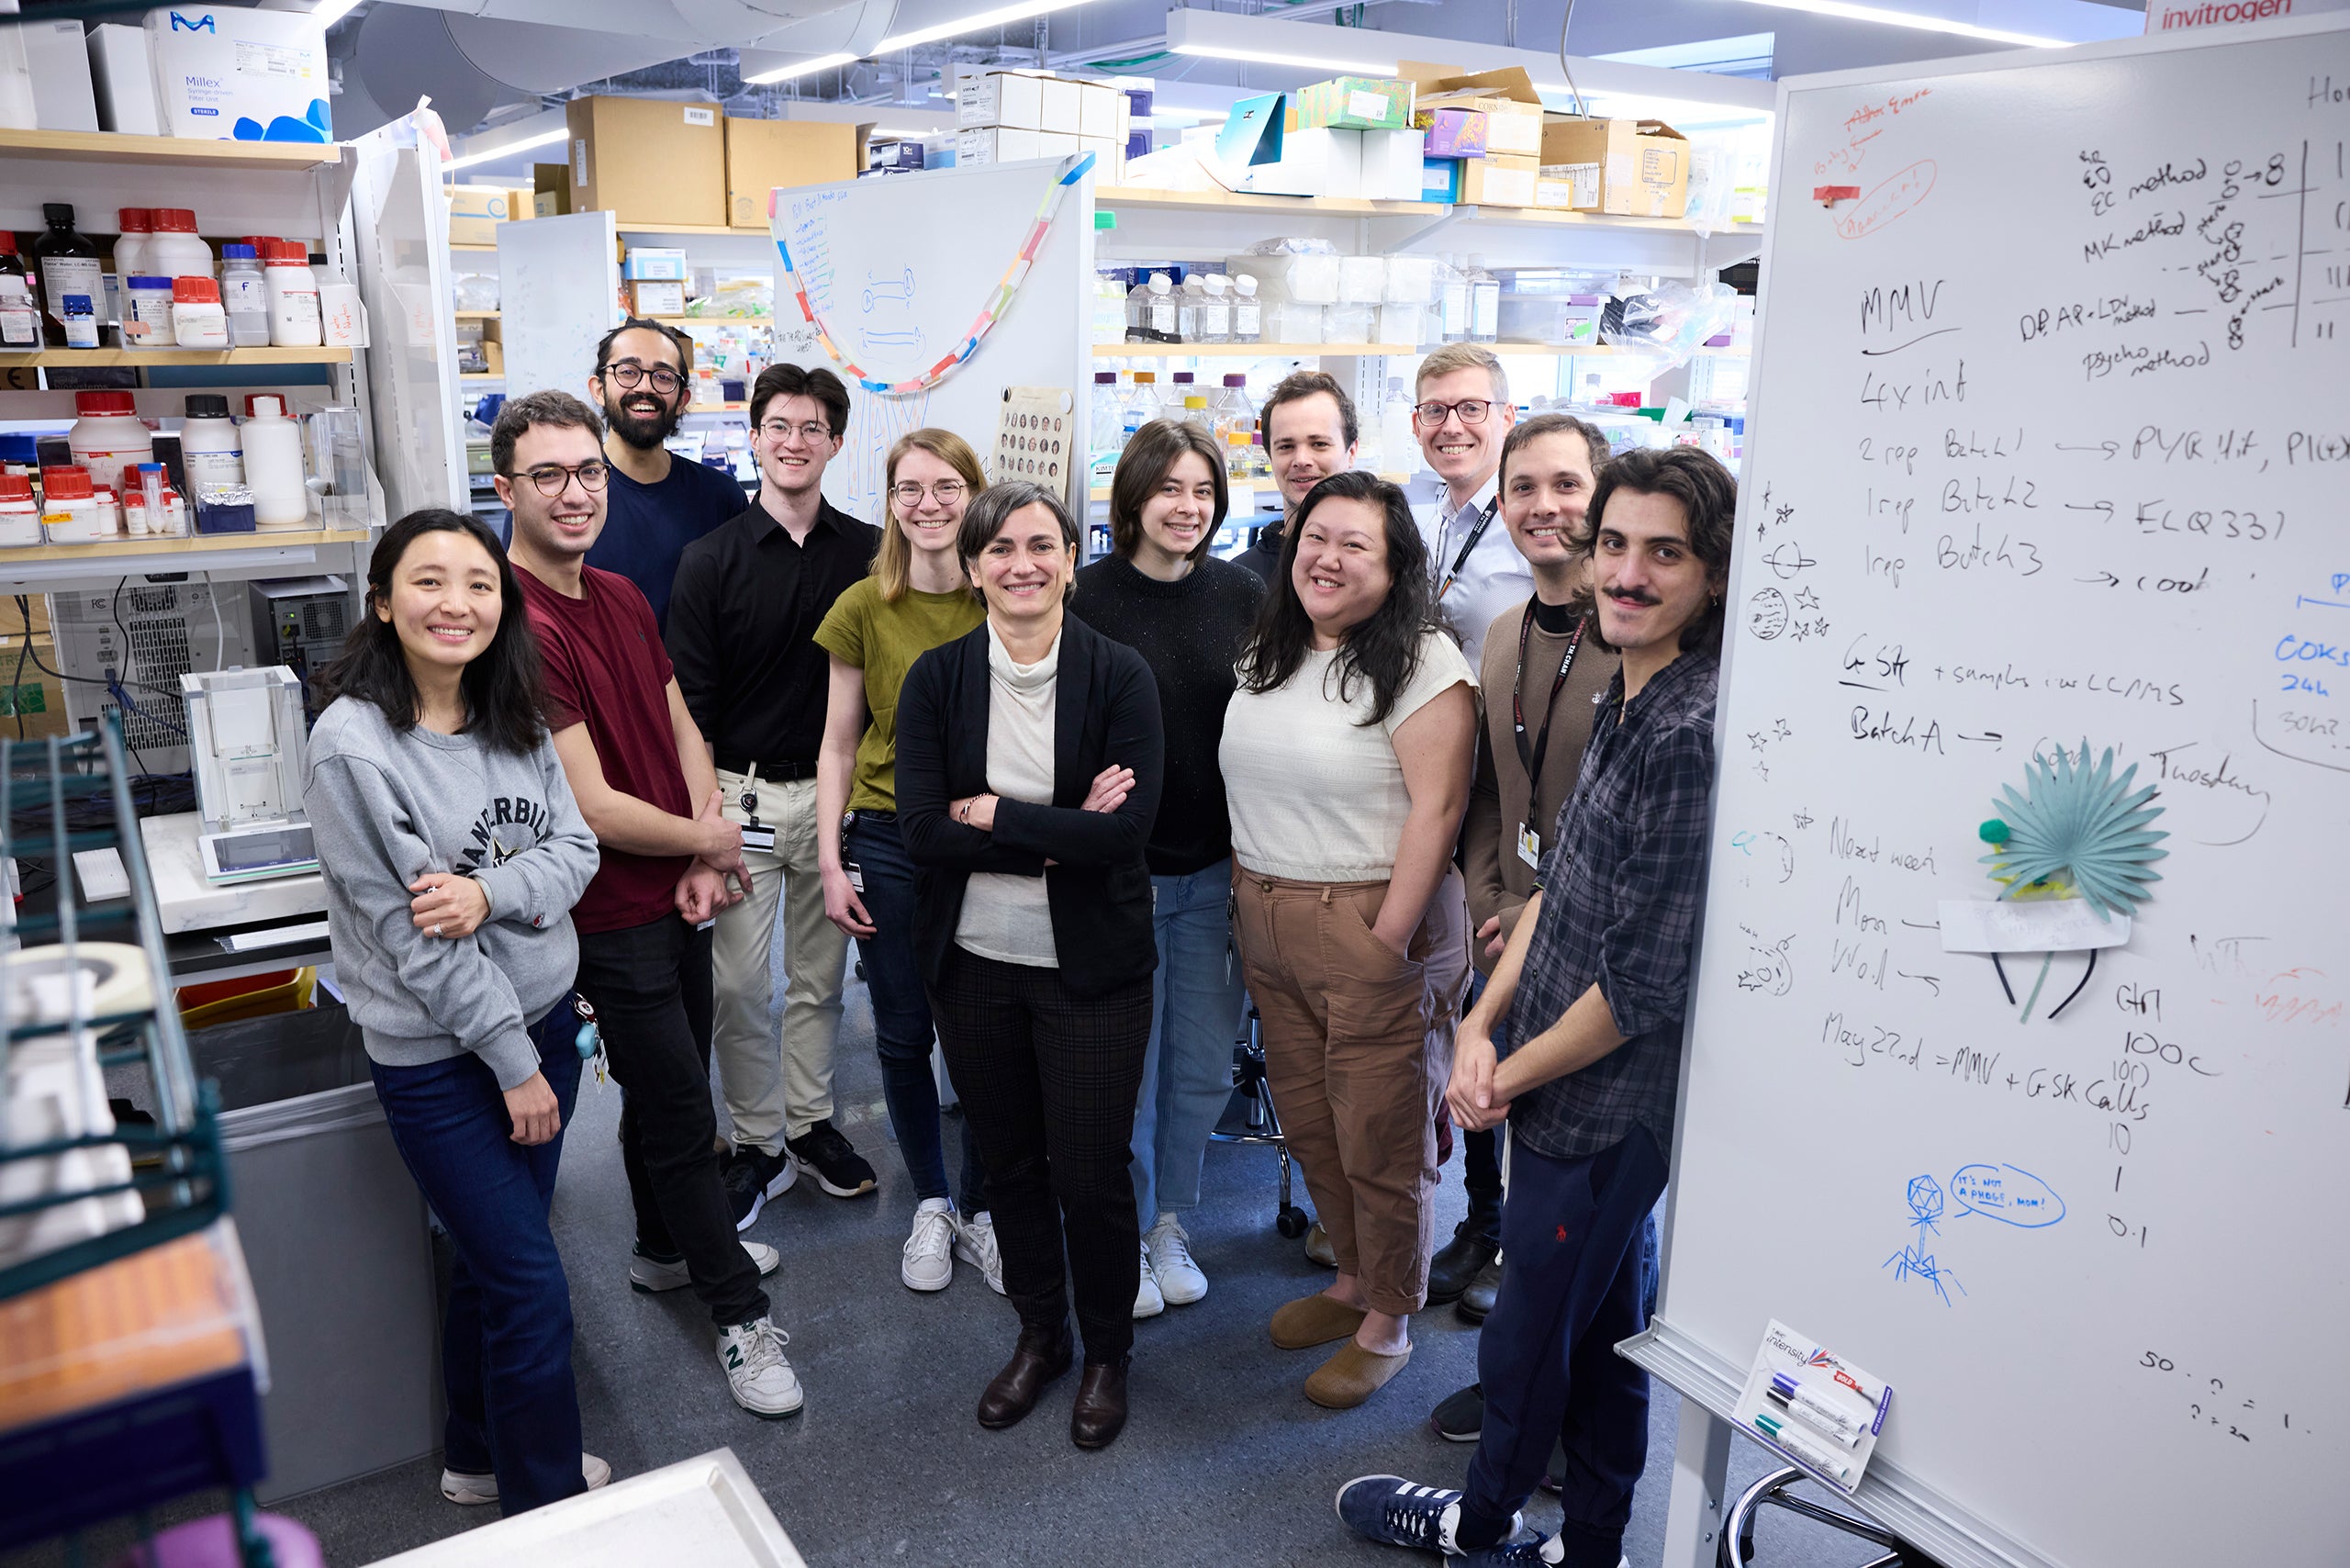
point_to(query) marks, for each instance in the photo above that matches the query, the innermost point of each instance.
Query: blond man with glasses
(742, 636)
(1461, 414)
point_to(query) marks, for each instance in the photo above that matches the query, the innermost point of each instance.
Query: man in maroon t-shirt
(642, 777)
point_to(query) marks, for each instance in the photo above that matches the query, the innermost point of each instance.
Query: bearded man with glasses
(657, 503)
(742, 634)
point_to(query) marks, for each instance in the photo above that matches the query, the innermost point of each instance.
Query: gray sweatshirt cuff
(512, 1058)
(508, 896)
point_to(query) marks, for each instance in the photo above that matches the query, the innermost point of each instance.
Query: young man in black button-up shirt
(742, 619)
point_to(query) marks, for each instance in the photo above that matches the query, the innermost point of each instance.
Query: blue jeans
(903, 1031)
(1196, 997)
(506, 1341)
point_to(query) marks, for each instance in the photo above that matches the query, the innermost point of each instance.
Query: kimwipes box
(654, 163)
(763, 156)
(1643, 164)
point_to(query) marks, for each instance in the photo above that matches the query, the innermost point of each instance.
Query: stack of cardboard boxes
(1491, 143)
(660, 164)
(1002, 116)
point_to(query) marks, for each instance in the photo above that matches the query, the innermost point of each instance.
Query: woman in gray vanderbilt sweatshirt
(453, 852)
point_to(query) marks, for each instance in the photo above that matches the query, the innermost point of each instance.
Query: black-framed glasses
(947, 492)
(628, 375)
(1473, 411)
(812, 431)
(552, 477)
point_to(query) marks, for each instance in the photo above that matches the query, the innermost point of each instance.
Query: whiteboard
(2049, 448)
(898, 269)
(558, 294)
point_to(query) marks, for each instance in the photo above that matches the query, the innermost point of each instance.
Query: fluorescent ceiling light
(805, 68)
(984, 19)
(1849, 13)
(544, 138)
(1274, 57)
(327, 13)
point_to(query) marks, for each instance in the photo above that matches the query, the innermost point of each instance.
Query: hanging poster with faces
(1035, 431)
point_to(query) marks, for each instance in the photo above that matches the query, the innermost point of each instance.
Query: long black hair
(503, 689)
(1384, 647)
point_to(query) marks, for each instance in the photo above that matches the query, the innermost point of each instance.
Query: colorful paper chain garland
(1073, 169)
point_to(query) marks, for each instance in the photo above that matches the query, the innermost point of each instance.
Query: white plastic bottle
(130, 251)
(1158, 309)
(245, 295)
(19, 311)
(106, 437)
(69, 506)
(147, 313)
(294, 321)
(209, 449)
(1248, 315)
(19, 513)
(174, 250)
(197, 321)
(274, 467)
(1485, 303)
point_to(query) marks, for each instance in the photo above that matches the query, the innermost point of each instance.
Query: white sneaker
(928, 1261)
(469, 1489)
(1168, 1249)
(648, 1275)
(1149, 1302)
(762, 1381)
(975, 1244)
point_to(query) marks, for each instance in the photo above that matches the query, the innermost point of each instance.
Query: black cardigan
(1105, 711)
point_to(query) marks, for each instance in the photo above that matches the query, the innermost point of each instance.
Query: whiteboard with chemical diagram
(2050, 458)
(903, 271)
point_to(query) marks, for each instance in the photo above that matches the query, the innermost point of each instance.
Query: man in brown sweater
(1541, 676)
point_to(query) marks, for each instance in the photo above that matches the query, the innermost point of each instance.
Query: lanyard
(1484, 520)
(1533, 758)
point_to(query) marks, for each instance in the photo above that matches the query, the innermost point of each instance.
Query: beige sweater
(1502, 797)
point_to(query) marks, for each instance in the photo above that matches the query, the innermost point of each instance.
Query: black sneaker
(752, 1177)
(839, 1168)
(1460, 1418)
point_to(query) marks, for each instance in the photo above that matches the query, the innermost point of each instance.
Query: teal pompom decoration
(2084, 826)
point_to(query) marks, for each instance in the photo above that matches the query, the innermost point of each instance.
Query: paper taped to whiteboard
(2042, 925)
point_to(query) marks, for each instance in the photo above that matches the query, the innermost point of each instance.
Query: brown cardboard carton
(1497, 180)
(768, 154)
(550, 190)
(1506, 97)
(36, 698)
(1643, 164)
(654, 162)
(475, 211)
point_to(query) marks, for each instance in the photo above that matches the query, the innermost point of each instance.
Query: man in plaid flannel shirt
(1577, 1043)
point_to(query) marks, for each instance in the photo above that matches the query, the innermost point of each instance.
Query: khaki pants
(774, 1093)
(1358, 1049)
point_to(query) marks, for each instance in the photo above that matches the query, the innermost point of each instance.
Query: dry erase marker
(1814, 1411)
(1834, 1466)
(1849, 1380)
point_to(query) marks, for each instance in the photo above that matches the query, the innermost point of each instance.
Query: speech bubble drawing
(2007, 1194)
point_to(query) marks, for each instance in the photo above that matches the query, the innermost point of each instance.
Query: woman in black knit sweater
(1186, 614)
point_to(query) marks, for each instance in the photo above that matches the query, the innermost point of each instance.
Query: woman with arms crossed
(1347, 752)
(453, 852)
(1028, 773)
(916, 599)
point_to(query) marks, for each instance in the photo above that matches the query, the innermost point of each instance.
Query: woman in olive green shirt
(916, 600)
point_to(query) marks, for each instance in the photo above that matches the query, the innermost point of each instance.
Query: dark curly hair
(1384, 647)
(1709, 498)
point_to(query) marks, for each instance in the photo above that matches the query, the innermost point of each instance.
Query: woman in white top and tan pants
(1347, 756)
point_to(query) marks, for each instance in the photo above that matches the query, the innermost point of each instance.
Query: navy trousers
(1571, 1230)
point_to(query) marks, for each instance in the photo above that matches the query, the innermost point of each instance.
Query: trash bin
(336, 1238)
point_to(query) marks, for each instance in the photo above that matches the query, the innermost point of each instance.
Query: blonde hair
(892, 567)
(1462, 357)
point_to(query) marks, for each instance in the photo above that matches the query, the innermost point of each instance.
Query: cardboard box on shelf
(1513, 109)
(899, 153)
(550, 190)
(37, 699)
(1643, 164)
(996, 144)
(122, 72)
(1441, 179)
(64, 99)
(652, 264)
(1354, 103)
(1057, 144)
(653, 162)
(1571, 188)
(1010, 100)
(1454, 133)
(1060, 109)
(762, 155)
(475, 211)
(1391, 161)
(1098, 109)
(650, 297)
(229, 74)
(1498, 180)
(1108, 157)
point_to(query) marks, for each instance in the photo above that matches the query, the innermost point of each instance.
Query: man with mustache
(1576, 1043)
(656, 502)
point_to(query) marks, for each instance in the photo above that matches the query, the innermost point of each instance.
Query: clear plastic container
(1180, 386)
(1106, 424)
(174, 250)
(1247, 312)
(1215, 309)
(1141, 403)
(1452, 302)
(294, 321)
(197, 321)
(1150, 312)
(1362, 280)
(1485, 303)
(106, 437)
(341, 319)
(1188, 300)
(1293, 321)
(245, 295)
(1349, 323)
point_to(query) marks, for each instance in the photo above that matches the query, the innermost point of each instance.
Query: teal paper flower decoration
(2080, 824)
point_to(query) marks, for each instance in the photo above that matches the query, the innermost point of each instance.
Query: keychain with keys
(755, 835)
(589, 1041)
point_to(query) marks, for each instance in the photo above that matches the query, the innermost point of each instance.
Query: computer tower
(149, 634)
(300, 622)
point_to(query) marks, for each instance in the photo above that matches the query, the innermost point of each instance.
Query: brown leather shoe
(1100, 1414)
(1014, 1392)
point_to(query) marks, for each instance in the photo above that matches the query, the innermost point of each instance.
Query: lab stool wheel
(1292, 1222)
